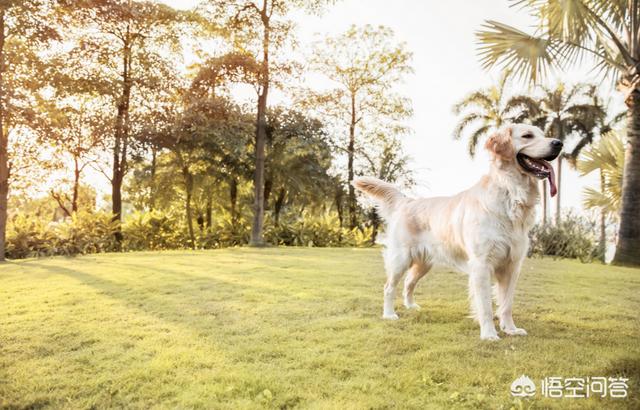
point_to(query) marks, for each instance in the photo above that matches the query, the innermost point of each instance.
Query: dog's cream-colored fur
(482, 231)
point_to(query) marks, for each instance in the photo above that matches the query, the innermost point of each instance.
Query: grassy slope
(287, 327)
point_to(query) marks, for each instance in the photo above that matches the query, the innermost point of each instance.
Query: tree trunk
(559, 183)
(116, 198)
(351, 153)
(628, 247)
(278, 205)
(209, 212)
(268, 186)
(188, 185)
(338, 201)
(545, 205)
(4, 150)
(152, 184)
(375, 223)
(233, 197)
(261, 137)
(602, 245)
(76, 185)
(121, 138)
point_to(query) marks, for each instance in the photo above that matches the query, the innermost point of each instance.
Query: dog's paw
(491, 336)
(516, 331)
(391, 316)
(412, 306)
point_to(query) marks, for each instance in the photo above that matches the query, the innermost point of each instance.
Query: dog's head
(528, 149)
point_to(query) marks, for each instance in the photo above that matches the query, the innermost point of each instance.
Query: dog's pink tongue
(553, 190)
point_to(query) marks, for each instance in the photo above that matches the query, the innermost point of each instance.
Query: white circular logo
(523, 387)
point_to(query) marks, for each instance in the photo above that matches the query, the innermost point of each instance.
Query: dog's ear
(500, 144)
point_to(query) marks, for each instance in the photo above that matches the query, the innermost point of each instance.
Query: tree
(126, 42)
(608, 34)
(484, 111)
(25, 26)
(563, 111)
(206, 137)
(74, 131)
(211, 82)
(364, 63)
(607, 157)
(298, 160)
(262, 27)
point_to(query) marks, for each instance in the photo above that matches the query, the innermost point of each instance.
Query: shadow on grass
(164, 299)
(201, 302)
(626, 367)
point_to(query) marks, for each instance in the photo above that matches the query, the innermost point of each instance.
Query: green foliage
(606, 156)
(226, 232)
(309, 229)
(573, 238)
(83, 233)
(28, 237)
(86, 233)
(153, 230)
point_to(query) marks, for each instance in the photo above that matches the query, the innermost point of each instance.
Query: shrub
(224, 233)
(153, 230)
(28, 237)
(573, 238)
(86, 232)
(83, 233)
(316, 230)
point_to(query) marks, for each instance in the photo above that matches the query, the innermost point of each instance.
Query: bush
(224, 233)
(82, 233)
(153, 230)
(574, 238)
(28, 237)
(312, 230)
(86, 233)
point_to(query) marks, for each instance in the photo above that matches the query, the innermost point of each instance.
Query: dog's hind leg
(396, 263)
(417, 271)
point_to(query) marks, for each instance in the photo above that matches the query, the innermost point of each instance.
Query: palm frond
(474, 138)
(570, 20)
(465, 122)
(608, 153)
(594, 198)
(527, 56)
(615, 120)
(480, 99)
(525, 107)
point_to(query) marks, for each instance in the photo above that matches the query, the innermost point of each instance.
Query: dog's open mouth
(540, 168)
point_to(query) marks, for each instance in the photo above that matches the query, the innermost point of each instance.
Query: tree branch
(60, 202)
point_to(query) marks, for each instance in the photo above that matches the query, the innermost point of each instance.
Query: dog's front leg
(480, 289)
(506, 289)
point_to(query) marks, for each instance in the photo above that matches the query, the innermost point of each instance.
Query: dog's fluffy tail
(385, 194)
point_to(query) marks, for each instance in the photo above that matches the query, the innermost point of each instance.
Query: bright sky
(441, 37)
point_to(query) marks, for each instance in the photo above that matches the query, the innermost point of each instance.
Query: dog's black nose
(556, 144)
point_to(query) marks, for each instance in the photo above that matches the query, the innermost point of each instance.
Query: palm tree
(486, 110)
(607, 157)
(563, 110)
(592, 120)
(607, 32)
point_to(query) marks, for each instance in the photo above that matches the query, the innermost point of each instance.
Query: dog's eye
(527, 136)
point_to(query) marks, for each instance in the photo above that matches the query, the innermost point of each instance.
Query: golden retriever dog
(482, 231)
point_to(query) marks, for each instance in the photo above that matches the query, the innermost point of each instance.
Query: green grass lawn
(285, 327)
